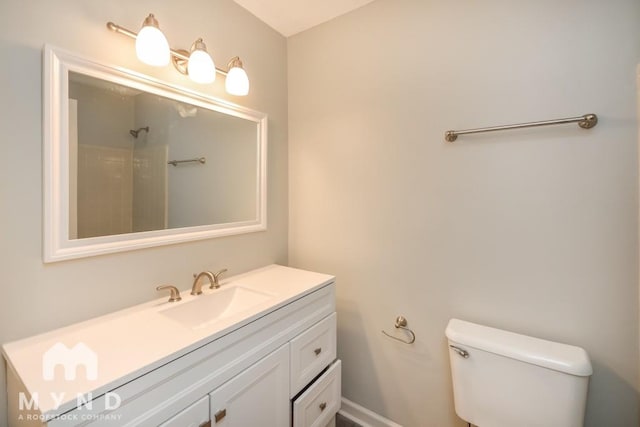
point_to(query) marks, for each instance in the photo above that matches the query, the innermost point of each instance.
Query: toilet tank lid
(559, 357)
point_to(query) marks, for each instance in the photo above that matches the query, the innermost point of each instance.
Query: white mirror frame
(57, 245)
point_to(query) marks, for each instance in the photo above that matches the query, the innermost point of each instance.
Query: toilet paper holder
(401, 323)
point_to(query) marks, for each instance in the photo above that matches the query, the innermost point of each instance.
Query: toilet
(504, 379)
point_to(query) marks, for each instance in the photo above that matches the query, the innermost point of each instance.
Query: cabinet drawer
(320, 402)
(311, 352)
(195, 415)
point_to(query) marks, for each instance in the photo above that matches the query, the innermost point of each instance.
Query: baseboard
(362, 416)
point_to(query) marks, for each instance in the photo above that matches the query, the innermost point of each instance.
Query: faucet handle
(175, 293)
(216, 284)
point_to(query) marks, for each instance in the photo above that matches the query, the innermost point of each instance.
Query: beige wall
(37, 297)
(533, 231)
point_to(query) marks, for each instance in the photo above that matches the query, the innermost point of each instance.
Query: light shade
(201, 68)
(152, 47)
(237, 82)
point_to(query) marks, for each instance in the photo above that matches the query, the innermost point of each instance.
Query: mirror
(132, 162)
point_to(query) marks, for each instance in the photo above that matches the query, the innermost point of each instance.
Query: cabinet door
(258, 396)
(196, 415)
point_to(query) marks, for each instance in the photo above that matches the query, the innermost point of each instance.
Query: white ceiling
(289, 17)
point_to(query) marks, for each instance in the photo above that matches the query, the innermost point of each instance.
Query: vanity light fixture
(152, 48)
(200, 67)
(237, 82)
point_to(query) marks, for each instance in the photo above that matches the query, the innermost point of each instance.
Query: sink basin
(208, 308)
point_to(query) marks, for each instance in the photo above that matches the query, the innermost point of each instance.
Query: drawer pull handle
(220, 415)
(317, 351)
(323, 405)
(206, 424)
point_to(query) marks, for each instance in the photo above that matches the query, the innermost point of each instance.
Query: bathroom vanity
(258, 351)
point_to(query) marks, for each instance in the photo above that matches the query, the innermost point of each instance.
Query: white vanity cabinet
(273, 368)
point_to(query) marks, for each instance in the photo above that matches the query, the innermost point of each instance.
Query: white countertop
(134, 341)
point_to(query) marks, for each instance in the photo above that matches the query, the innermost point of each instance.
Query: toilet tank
(508, 379)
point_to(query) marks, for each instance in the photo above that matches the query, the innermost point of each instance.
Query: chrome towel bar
(585, 122)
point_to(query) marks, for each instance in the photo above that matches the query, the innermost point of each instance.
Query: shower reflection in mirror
(121, 142)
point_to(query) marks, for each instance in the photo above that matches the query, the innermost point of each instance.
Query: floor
(345, 422)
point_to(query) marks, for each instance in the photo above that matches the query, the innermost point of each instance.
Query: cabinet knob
(220, 415)
(317, 351)
(323, 405)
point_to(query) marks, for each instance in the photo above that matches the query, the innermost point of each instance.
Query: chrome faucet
(196, 289)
